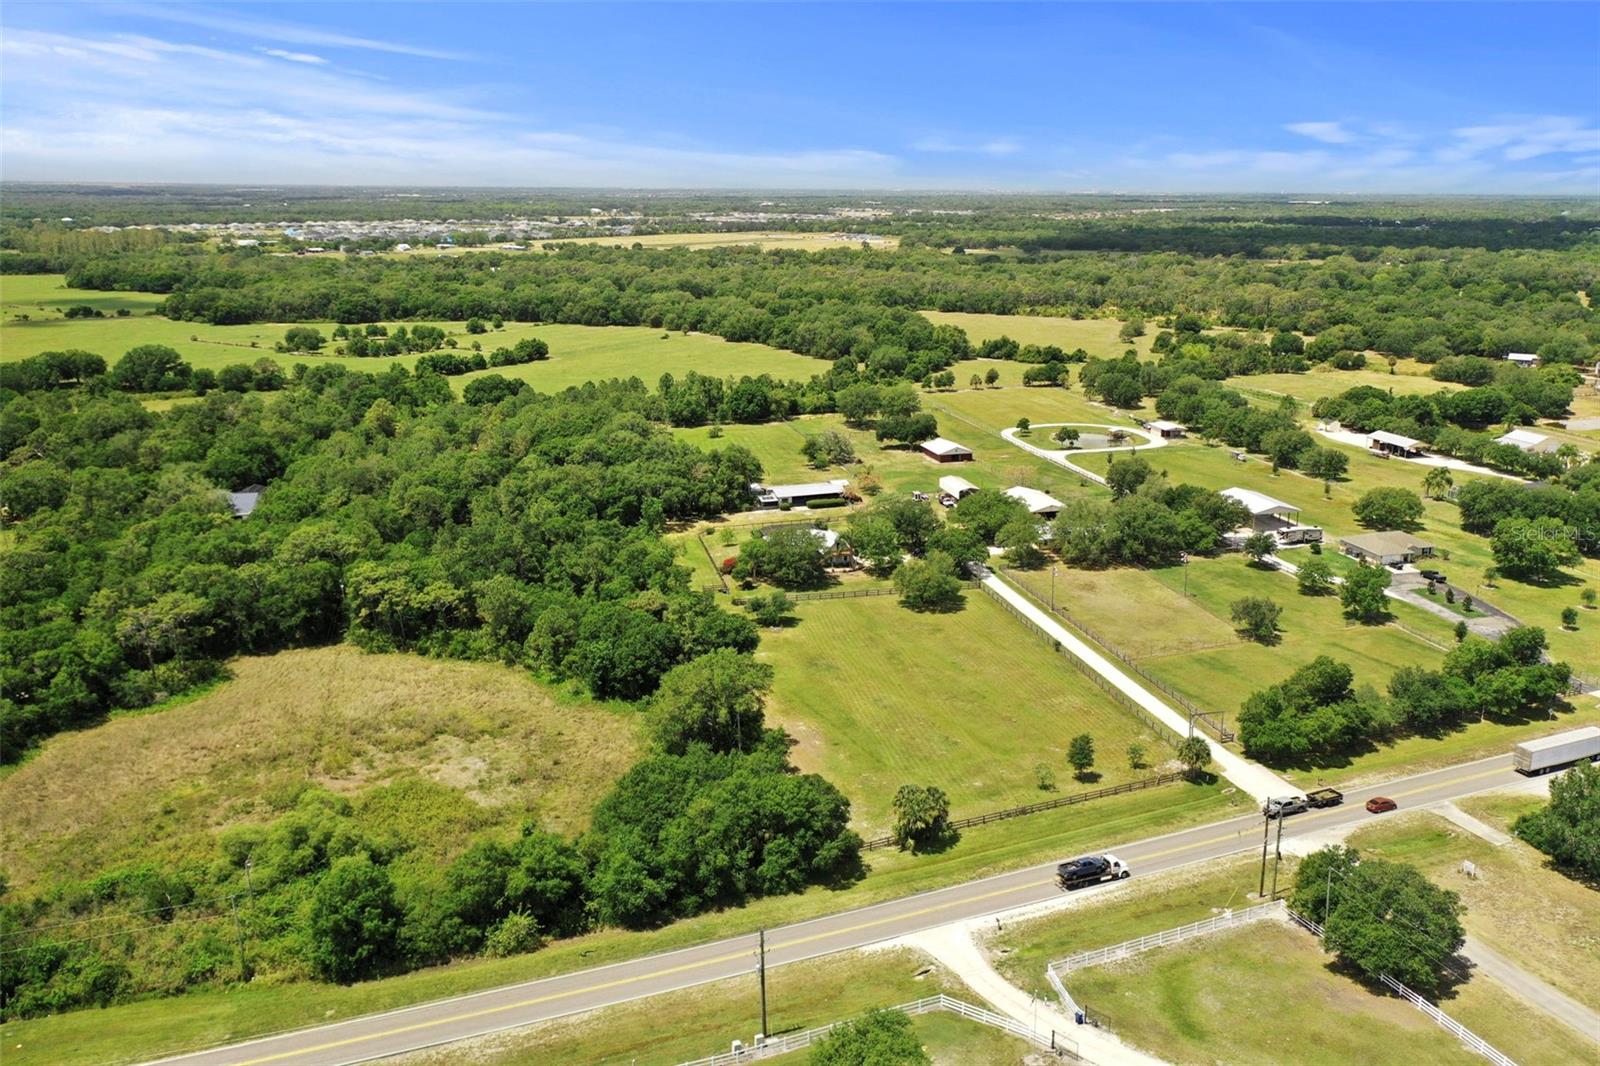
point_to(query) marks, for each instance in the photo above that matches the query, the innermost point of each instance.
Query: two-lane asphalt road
(443, 1021)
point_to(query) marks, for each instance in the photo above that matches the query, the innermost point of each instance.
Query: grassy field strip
(879, 697)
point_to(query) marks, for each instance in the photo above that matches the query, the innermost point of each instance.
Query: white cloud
(996, 146)
(282, 32)
(1527, 138)
(293, 57)
(1326, 132)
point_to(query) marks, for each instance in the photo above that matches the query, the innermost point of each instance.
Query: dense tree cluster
(1384, 918)
(1150, 524)
(1317, 712)
(1568, 827)
(1573, 503)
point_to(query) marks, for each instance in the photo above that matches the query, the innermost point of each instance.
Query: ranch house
(1385, 549)
(946, 451)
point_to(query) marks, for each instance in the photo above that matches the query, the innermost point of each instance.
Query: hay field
(467, 745)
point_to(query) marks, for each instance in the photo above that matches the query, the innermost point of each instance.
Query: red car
(1380, 804)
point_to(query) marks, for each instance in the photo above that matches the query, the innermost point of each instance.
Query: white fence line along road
(1251, 778)
(441, 1021)
(1226, 920)
(780, 1045)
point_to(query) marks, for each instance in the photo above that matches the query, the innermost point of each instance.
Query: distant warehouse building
(1386, 549)
(1528, 441)
(946, 451)
(1040, 504)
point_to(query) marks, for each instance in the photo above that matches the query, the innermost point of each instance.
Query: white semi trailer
(1553, 752)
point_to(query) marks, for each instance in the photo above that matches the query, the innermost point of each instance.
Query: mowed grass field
(1189, 643)
(1203, 1002)
(693, 1022)
(1097, 336)
(1468, 554)
(878, 697)
(1410, 378)
(577, 353)
(452, 746)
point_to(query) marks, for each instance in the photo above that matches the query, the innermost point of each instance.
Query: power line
(121, 914)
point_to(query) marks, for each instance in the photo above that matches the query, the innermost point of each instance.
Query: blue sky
(1070, 97)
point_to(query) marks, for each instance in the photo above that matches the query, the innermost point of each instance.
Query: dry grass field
(459, 745)
(1097, 336)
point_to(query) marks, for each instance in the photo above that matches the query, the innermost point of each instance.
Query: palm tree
(1437, 483)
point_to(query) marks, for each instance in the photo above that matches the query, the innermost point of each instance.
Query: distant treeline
(1429, 303)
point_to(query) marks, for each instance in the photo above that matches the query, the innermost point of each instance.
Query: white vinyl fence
(778, 1045)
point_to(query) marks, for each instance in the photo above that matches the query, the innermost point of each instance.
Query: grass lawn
(152, 1028)
(1190, 644)
(699, 1021)
(1204, 1002)
(1410, 378)
(577, 353)
(1556, 938)
(1463, 555)
(494, 746)
(879, 696)
(1097, 336)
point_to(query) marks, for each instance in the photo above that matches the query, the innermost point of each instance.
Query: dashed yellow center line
(898, 916)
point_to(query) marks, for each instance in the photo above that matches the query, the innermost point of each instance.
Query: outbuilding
(959, 487)
(1268, 515)
(1386, 549)
(1167, 430)
(1386, 443)
(1528, 441)
(244, 501)
(1041, 504)
(946, 451)
(796, 495)
(1522, 358)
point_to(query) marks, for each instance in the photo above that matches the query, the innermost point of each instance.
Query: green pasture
(1410, 378)
(878, 696)
(1464, 556)
(1097, 336)
(577, 353)
(1189, 643)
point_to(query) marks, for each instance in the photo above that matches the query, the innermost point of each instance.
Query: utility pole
(1277, 858)
(1266, 831)
(238, 931)
(1183, 558)
(1052, 588)
(761, 969)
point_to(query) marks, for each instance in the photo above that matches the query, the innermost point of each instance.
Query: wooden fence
(1044, 805)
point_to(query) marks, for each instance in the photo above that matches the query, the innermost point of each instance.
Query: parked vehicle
(1091, 870)
(1280, 806)
(1381, 804)
(1325, 797)
(1432, 575)
(1553, 752)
